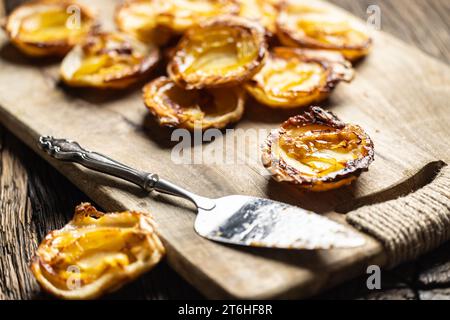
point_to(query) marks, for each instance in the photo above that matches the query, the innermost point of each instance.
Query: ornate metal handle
(67, 150)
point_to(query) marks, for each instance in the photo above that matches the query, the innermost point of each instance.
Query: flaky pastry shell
(316, 25)
(108, 60)
(293, 77)
(225, 51)
(48, 27)
(263, 11)
(157, 20)
(317, 151)
(180, 15)
(173, 106)
(96, 253)
(139, 18)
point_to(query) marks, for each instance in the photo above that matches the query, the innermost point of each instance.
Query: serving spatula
(236, 219)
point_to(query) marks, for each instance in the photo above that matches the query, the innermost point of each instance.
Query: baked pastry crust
(108, 60)
(294, 77)
(316, 25)
(43, 27)
(96, 253)
(193, 109)
(317, 151)
(225, 51)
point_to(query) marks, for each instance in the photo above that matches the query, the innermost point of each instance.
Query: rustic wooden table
(31, 191)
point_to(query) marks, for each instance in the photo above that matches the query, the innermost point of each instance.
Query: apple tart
(193, 109)
(139, 19)
(96, 253)
(315, 25)
(221, 52)
(157, 20)
(108, 60)
(294, 77)
(48, 27)
(317, 151)
(263, 11)
(180, 15)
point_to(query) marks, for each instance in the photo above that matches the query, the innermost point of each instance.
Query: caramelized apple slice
(298, 77)
(193, 109)
(96, 253)
(317, 25)
(263, 11)
(108, 60)
(220, 52)
(49, 27)
(139, 18)
(317, 151)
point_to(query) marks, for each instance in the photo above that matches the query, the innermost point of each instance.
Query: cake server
(235, 219)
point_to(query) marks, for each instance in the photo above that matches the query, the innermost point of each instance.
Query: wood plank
(212, 267)
(15, 231)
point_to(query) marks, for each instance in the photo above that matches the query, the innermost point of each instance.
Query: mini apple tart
(315, 25)
(225, 51)
(180, 15)
(263, 11)
(139, 18)
(48, 27)
(317, 151)
(298, 77)
(193, 109)
(96, 253)
(108, 60)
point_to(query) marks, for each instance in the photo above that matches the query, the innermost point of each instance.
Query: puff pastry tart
(221, 52)
(96, 253)
(193, 109)
(139, 18)
(179, 15)
(294, 77)
(317, 151)
(157, 20)
(108, 60)
(263, 11)
(49, 27)
(317, 25)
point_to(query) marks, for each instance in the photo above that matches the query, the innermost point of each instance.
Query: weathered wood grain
(16, 229)
(69, 209)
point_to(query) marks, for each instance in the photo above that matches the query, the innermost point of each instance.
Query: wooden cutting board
(400, 96)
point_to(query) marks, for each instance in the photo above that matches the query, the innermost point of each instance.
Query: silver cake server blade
(252, 221)
(236, 219)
